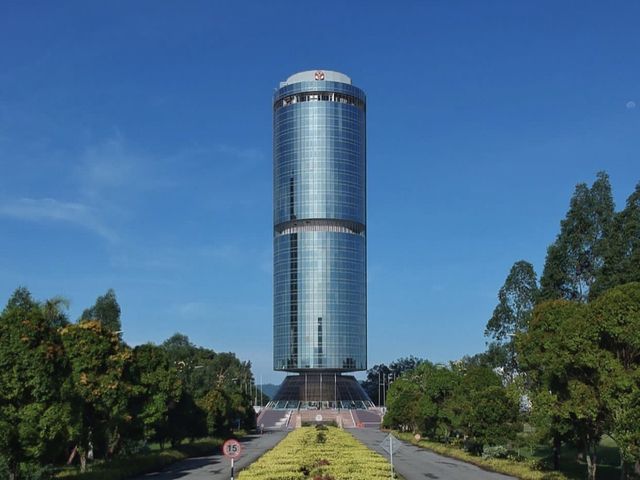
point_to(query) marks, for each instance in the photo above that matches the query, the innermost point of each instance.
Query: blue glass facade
(319, 152)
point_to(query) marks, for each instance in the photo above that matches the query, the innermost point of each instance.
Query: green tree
(54, 311)
(106, 310)
(196, 366)
(160, 390)
(186, 420)
(404, 364)
(547, 379)
(437, 384)
(567, 371)
(621, 257)
(227, 405)
(179, 348)
(373, 383)
(380, 377)
(403, 400)
(232, 377)
(575, 258)
(616, 313)
(217, 407)
(481, 410)
(496, 356)
(516, 299)
(98, 387)
(33, 413)
(218, 383)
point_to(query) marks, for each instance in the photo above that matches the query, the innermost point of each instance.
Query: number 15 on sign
(232, 450)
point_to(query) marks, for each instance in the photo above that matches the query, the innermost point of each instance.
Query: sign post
(232, 450)
(390, 453)
(391, 444)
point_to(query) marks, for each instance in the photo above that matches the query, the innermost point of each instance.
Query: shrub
(499, 451)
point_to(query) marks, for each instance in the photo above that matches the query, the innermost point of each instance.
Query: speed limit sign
(232, 449)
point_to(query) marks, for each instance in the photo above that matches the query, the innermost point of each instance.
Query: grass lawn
(608, 457)
(121, 468)
(570, 466)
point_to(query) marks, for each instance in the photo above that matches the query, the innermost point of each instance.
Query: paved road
(415, 463)
(217, 467)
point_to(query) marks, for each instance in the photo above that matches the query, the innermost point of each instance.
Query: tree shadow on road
(185, 467)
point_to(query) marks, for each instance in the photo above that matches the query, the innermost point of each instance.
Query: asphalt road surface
(415, 463)
(218, 467)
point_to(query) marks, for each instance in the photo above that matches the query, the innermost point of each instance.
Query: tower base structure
(320, 391)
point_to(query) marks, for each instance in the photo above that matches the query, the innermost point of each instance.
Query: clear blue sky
(135, 153)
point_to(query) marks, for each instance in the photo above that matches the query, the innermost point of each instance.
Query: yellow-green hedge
(307, 452)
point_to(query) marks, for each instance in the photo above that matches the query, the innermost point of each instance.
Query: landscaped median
(521, 470)
(319, 453)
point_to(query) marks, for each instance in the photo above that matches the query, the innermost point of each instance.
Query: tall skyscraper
(320, 265)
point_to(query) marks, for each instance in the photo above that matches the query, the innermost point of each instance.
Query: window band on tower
(319, 225)
(318, 97)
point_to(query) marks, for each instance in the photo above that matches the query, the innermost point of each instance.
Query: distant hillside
(270, 389)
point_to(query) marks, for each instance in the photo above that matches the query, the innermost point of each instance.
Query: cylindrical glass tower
(319, 190)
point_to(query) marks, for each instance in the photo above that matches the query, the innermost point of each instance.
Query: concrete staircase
(290, 419)
(346, 419)
(274, 419)
(342, 418)
(318, 416)
(371, 418)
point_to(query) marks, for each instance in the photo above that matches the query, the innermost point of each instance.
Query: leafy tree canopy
(98, 387)
(568, 372)
(516, 300)
(159, 393)
(106, 310)
(575, 258)
(621, 249)
(33, 413)
(616, 317)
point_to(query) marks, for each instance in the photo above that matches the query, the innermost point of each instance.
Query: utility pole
(384, 389)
